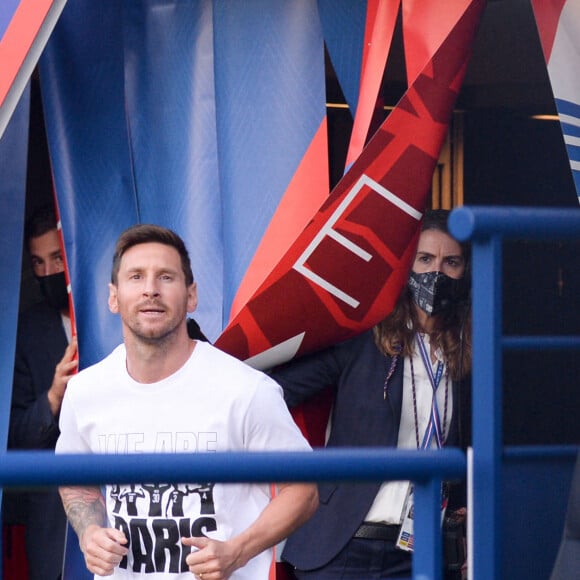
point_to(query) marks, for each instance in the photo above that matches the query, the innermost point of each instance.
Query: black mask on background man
(435, 291)
(53, 289)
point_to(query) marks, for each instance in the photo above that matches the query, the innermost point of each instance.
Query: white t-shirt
(213, 403)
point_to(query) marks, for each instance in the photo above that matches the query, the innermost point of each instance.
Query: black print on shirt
(155, 491)
(130, 497)
(179, 492)
(155, 542)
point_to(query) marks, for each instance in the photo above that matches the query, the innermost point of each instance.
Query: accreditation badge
(406, 538)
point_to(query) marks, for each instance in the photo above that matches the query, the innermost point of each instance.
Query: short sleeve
(268, 425)
(70, 440)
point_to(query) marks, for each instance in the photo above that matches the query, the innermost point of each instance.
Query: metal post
(487, 411)
(427, 557)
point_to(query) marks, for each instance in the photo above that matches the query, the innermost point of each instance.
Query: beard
(154, 331)
(153, 335)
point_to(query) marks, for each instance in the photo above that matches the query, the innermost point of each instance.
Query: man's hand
(103, 548)
(64, 370)
(213, 560)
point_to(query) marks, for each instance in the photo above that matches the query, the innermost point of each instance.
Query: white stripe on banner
(563, 56)
(573, 141)
(569, 113)
(569, 119)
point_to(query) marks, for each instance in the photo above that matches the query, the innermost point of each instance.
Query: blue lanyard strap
(434, 429)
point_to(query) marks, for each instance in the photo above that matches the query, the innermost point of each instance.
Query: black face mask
(435, 291)
(53, 289)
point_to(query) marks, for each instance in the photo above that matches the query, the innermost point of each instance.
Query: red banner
(344, 273)
(24, 32)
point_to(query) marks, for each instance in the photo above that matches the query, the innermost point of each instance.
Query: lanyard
(434, 429)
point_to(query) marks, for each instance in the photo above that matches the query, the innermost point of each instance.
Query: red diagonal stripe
(18, 39)
(547, 14)
(344, 272)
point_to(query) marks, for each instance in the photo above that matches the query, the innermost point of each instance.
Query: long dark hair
(451, 333)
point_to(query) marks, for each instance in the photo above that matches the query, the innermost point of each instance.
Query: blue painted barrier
(42, 468)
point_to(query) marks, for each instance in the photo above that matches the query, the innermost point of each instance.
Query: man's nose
(51, 268)
(151, 287)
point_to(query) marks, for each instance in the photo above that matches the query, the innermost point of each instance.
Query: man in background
(45, 360)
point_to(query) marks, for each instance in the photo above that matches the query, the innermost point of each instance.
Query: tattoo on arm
(84, 506)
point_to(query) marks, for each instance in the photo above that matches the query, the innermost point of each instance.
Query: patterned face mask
(435, 291)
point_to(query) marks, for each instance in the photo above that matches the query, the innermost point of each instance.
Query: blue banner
(7, 9)
(13, 164)
(192, 115)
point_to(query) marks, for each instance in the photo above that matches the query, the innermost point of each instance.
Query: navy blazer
(361, 417)
(40, 345)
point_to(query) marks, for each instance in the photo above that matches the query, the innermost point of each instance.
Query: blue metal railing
(487, 227)
(426, 468)
(42, 468)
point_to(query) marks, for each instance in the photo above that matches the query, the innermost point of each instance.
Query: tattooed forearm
(84, 506)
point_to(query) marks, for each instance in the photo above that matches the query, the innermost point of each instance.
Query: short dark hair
(150, 233)
(43, 220)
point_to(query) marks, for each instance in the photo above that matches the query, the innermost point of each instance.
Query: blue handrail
(426, 468)
(547, 342)
(21, 468)
(480, 223)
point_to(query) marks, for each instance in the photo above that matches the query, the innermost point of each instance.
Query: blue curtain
(192, 115)
(13, 161)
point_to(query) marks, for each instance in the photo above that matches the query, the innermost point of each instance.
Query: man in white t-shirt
(160, 391)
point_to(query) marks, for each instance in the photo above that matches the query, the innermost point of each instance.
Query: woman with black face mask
(435, 303)
(398, 385)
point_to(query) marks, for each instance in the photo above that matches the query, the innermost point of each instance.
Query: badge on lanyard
(434, 433)
(406, 538)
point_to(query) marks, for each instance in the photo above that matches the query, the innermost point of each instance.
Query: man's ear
(113, 304)
(192, 297)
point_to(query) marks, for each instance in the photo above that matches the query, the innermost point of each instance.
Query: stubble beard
(159, 336)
